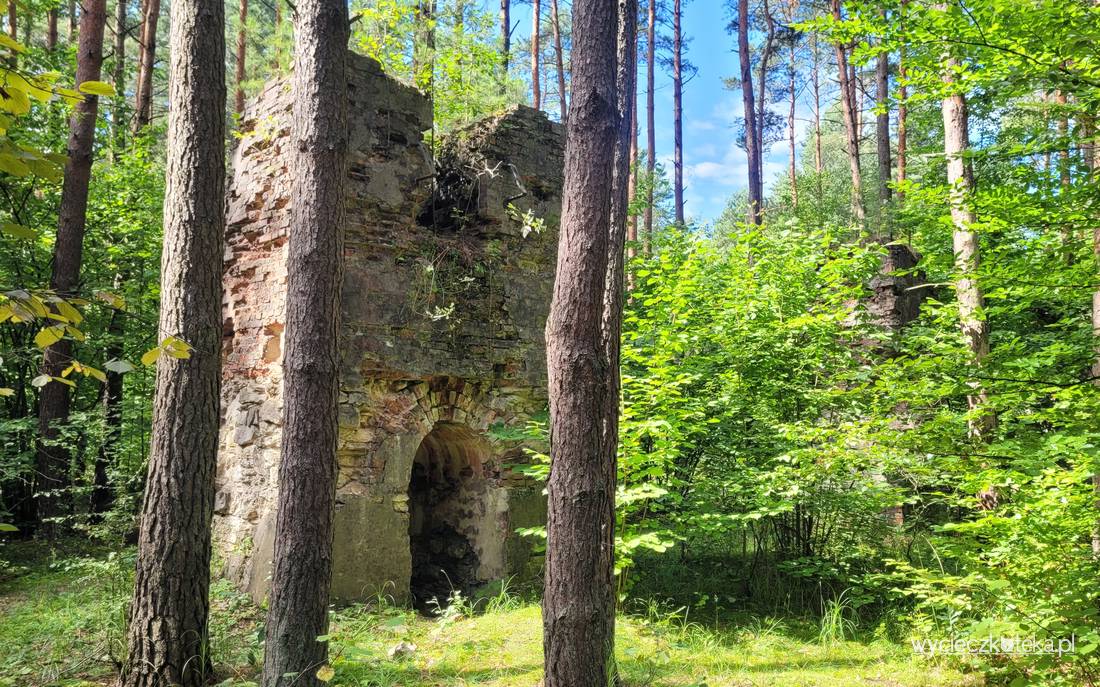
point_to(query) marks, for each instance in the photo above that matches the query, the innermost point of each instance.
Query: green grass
(61, 624)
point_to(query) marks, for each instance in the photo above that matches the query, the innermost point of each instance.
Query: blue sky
(714, 167)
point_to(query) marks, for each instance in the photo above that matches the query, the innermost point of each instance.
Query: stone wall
(448, 276)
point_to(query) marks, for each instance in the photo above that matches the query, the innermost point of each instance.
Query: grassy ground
(61, 624)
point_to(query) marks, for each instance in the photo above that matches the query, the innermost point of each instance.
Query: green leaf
(97, 88)
(18, 230)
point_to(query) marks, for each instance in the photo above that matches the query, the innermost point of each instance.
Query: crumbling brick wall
(448, 276)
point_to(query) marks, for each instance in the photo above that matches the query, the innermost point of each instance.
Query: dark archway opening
(446, 475)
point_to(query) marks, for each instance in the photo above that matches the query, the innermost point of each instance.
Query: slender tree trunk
(815, 83)
(242, 53)
(536, 90)
(1061, 101)
(762, 92)
(51, 29)
(579, 600)
(147, 56)
(792, 166)
(903, 116)
(650, 113)
(28, 25)
(752, 149)
(169, 610)
(1092, 160)
(52, 459)
(882, 126)
(559, 56)
(848, 106)
(505, 34)
(13, 28)
(302, 577)
(119, 75)
(960, 178)
(632, 183)
(72, 21)
(277, 60)
(111, 398)
(677, 114)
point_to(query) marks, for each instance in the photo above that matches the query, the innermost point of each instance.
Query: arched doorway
(446, 492)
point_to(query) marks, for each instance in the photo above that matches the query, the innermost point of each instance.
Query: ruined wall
(447, 283)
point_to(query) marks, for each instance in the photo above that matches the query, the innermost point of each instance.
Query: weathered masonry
(448, 275)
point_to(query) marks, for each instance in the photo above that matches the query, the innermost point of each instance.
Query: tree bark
(242, 53)
(792, 169)
(505, 34)
(677, 114)
(147, 56)
(169, 610)
(848, 106)
(52, 460)
(111, 398)
(882, 126)
(51, 29)
(559, 56)
(72, 21)
(119, 74)
(903, 116)
(765, 60)
(748, 100)
(579, 600)
(536, 90)
(960, 179)
(632, 181)
(650, 113)
(815, 84)
(298, 612)
(13, 28)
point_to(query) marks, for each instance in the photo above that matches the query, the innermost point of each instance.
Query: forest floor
(61, 623)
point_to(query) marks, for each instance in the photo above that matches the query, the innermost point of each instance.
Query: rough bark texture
(626, 79)
(52, 461)
(579, 600)
(903, 115)
(815, 85)
(677, 114)
(849, 106)
(792, 161)
(748, 99)
(960, 178)
(168, 613)
(119, 73)
(559, 57)
(651, 126)
(51, 29)
(242, 53)
(765, 61)
(536, 90)
(147, 56)
(1092, 160)
(505, 33)
(882, 126)
(72, 20)
(13, 11)
(307, 470)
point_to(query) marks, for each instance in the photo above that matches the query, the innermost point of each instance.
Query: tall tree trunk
(51, 29)
(536, 90)
(765, 61)
(559, 56)
(579, 600)
(815, 84)
(792, 169)
(28, 24)
(677, 114)
(632, 182)
(848, 105)
(505, 34)
(52, 460)
(650, 113)
(960, 179)
(119, 75)
(242, 53)
(147, 57)
(1092, 160)
(169, 610)
(1061, 101)
(13, 27)
(903, 116)
(298, 612)
(882, 126)
(111, 399)
(72, 21)
(277, 60)
(752, 148)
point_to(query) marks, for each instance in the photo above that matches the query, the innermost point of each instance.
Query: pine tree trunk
(51, 29)
(559, 56)
(536, 90)
(52, 461)
(13, 27)
(111, 399)
(748, 99)
(677, 114)
(169, 609)
(650, 113)
(762, 90)
(792, 169)
(72, 21)
(815, 84)
(242, 53)
(298, 612)
(147, 56)
(119, 75)
(848, 107)
(579, 600)
(903, 116)
(960, 179)
(632, 182)
(505, 33)
(882, 127)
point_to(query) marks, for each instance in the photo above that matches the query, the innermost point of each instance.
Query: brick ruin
(448, 274)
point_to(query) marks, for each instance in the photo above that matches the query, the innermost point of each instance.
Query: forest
(568, 343)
